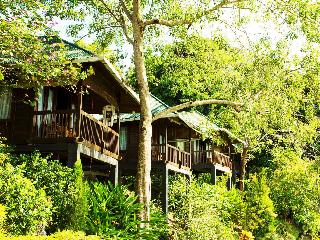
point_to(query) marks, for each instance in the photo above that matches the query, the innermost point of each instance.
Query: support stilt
(73, 154)
(165, 189)
(213, 172)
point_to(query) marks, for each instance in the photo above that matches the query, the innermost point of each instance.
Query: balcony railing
(171, 154)
(97, 133)
(57, 125)
(54, 124)
(209, 156)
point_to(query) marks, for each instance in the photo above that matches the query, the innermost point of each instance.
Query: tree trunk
(143, 181)
(243, 165)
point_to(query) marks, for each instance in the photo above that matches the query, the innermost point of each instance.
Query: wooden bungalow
(177, 146)
(66, 120)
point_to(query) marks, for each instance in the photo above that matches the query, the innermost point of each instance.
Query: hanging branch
(172, 23)
(182, 106)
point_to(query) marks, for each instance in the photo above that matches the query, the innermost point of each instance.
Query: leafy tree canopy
(280, 92)
(27, 58)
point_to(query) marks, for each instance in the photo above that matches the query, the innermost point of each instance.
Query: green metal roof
(73, 51)
(193, 119)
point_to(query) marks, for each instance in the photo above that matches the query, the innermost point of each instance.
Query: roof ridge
(159, 100)
(78, 47)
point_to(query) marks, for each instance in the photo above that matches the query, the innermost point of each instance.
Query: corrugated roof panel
(193, 119)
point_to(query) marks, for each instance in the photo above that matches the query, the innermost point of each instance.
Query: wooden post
(119, 174)
(102, 138)
(165, 189)
(118, 121)
(190, 148)
(115, 174)
(78, 109)
(229, 183)
(73, 154)
(213, 172)
(166, 142)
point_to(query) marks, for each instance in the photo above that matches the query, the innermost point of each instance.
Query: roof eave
(119, 79)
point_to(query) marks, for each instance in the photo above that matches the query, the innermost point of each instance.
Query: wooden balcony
(170, 154)
(66, 126)
(211, 157)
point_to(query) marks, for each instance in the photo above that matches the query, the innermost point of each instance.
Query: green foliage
(260, 217)
(2, 219)
(280, 104)
(62, 187)
(4, 151)
(63, 235)
(204, 211)
(113, 214)
(195, 211)
(60, 183)
(295, 190)
(112, 211)
(80, 207)
(28, 209)
(27, 60)
(286, 230)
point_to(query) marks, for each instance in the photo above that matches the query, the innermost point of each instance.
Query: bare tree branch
(195, 104)
(97, 30)
(120, 19)
(172, 23)
(126, 10)
(125, 29)
(110, 11)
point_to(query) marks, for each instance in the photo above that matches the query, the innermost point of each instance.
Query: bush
(63, 185)
(195, 211)
(2, 219)
(64, 235)
(260, 217)
(205, 211)
(28, 210)
(80, 208)
(113, 213)
(296, 192)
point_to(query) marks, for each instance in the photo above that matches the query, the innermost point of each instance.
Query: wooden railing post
(118, 141)
(102, 138)
(78, 110)
(166, 152)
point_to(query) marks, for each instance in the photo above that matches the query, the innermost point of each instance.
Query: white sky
(241, 37)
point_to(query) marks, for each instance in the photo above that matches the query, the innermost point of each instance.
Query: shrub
(195, 211)
(64, 235)
(2, 219)
(28, 209)
(260, 217)
(61, 184)
(80, 208)
(113, 213)
(4, 152)
(295, 190)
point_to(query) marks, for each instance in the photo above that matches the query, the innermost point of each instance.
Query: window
(123, 138)
(5, 105)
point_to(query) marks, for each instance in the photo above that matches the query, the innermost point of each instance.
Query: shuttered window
(123, 138)
(5, 105)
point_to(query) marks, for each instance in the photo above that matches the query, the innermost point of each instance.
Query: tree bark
(243, 165)
(143, 181)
